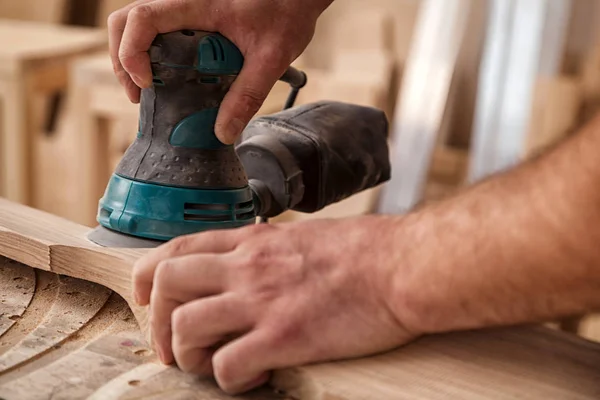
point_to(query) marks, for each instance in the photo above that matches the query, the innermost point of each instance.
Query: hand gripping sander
(177, 178)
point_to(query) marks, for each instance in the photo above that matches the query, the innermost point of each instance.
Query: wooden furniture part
(555, 113)
(49, 11)
(106, 7)
(33, 65)
(74, 339)
(394, 18)
(50, 243)
(103, 123)
(64, 338)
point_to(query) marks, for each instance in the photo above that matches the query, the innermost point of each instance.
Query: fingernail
(136, 298)
(261, 380)
(161, 356)
(141, 81)
(233, 130)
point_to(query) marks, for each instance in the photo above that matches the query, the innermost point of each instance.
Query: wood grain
(50, 243)
(16, 291)
(85, 344)
(100, 352)
(48, 11)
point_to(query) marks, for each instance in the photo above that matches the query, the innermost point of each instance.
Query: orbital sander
(177, 178)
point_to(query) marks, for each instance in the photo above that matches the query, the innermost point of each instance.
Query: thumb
(245, 97)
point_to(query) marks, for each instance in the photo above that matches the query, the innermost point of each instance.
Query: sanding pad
(107, 238)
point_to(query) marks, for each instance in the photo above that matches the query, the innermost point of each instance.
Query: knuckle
(115, 20)
(138, 270)
(127, 60)
(286, 333)
(180, 322)
(163, 271)
(256, 258)
(252, 99)
(179, 245)
(143, 12)
(273, 55)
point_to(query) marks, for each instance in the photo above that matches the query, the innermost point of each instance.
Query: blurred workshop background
(470, 87)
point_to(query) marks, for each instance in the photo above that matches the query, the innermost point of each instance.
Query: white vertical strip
(437, 41)
(526, 38)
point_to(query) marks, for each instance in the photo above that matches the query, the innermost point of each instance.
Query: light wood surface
(555, 112)
(72, 339)
(49, 11)
(53, 244)
(99, 352)
(106, 7)
(34, 41)
(34, 62)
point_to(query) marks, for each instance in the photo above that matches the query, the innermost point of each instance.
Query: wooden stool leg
(15, 147)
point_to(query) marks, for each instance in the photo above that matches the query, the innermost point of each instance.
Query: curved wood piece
(108, 357)
(17, 285)
(50, 243)
(105, 357)
(76, 304)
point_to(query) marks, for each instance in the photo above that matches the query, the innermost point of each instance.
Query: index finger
(206, 242)
(145, 21)
(116, 26)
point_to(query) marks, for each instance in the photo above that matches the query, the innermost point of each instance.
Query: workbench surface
(63, 338)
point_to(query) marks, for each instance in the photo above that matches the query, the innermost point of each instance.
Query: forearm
(523, 246)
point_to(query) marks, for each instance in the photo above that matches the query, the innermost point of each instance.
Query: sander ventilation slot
(218, 212)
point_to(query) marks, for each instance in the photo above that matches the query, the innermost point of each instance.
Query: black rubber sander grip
(312, 156)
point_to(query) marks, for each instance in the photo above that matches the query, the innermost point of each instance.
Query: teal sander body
(177, 177)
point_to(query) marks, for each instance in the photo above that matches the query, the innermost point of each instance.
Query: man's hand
(241, 303)
(271, 34)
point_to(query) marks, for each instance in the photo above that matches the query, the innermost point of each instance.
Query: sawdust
(43, 298)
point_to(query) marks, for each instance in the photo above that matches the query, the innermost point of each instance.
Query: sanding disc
(108, 238)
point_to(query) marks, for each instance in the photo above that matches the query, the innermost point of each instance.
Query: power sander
(177, 178)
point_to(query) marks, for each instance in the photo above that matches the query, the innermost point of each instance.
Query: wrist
(391, 245)
(413, 245)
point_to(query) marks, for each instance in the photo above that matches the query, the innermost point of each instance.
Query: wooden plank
(555, 113)
(106, 358)
(502, 363)
(50, 243)
(397, 37)
(78, 302)
(49, 11)
(32, 63)
(17, 285)
(33, 41)
(15, 139)
(531, 363)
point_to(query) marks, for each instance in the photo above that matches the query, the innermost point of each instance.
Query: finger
(145, 21)
(116, 25)
(177, 281)
(246, 95)
(201, 325)
(205, 242)
(243, 364)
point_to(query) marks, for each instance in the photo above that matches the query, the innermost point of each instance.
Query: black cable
(297, 80)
